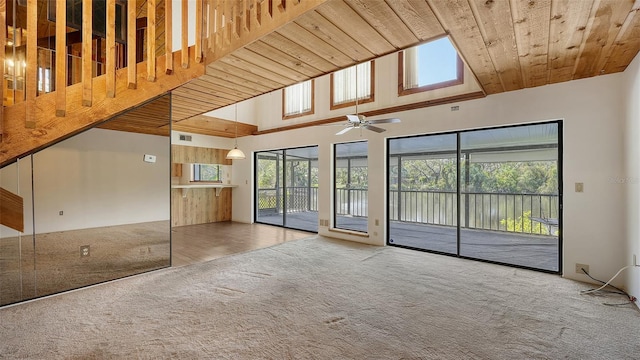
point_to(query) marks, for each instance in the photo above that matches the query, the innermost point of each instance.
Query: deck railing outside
(485, 211)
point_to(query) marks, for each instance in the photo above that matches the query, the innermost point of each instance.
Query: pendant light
(235, 153)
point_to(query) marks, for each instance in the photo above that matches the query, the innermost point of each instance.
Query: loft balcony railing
(508, 212)
(58, 64)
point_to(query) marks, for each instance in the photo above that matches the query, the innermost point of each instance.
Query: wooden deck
(534, 251)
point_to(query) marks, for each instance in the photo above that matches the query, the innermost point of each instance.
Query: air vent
(185, 137)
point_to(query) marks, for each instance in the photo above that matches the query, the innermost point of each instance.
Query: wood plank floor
(198, 243)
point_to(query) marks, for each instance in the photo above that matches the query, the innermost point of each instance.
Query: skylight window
(297, 100)
(429, 66)
(345, 83)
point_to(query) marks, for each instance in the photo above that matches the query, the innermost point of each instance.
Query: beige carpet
(323, 299)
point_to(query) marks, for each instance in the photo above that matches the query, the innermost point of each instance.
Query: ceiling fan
(358, 121)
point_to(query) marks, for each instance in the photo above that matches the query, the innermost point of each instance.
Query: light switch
(149, 158)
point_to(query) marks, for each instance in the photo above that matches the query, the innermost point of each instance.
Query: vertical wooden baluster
(151, 40)
(185, 34)
(199, 20)
(212, 25)
(61, 58)
(111, 49)
(131, 45)
(87, 61)
(31, 79)
(168, 36)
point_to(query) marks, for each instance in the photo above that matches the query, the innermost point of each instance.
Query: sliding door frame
(558, 123)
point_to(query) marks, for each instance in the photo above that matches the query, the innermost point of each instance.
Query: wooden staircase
(221, 27)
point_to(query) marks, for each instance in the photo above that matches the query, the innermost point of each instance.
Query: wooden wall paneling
(3, 39)
(531, 25)
(168, 36)
(87, 53)
(199, 155)
(11, 210)
(626, 44)
(567, 30)
(200, 206)
(217, 84)
(384, 19)
(234, 79)
(32, 64)
(261, 53)
(247, 75)
(458, 20)
(600, 41)
(111, 49)
(61, 58)
(419, 17)
(185, 34)
(151, 40)
(257, 71)
(199, 88)
(132, 74)
(344, 17)
(304, 38)
(496, 27)
(289, 47)
(215, 127)
(203, 97)
(332, 35)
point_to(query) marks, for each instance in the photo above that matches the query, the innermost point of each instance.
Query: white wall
(631, 178)
(97, 178)
(594, 221)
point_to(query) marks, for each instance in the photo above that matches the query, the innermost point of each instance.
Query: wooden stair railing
(222, 26)
(11, 210)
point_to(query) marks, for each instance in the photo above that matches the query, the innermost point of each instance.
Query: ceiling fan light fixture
(235, 154)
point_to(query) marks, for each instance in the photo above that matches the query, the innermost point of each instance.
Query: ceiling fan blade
(354, 119)
(384, 121)
(374, 128)
(344, 130)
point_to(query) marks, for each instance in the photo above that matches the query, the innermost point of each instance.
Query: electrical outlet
(579, 187)
(84, 251)
(60, 212)
(579, 268)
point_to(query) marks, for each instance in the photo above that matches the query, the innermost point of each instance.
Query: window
(344, 85)
(205, 172)
(297, 100)
(429, 66)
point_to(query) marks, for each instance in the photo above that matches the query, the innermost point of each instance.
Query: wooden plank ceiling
(508, 45)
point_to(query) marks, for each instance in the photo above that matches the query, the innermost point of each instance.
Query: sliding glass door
(509, 195)
(422, 192)
(287, 188)
(491, 194)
